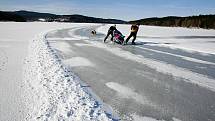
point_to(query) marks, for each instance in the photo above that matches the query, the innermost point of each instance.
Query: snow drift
(57, 93)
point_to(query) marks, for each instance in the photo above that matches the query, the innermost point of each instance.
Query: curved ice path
(140, 81)
(57, 93)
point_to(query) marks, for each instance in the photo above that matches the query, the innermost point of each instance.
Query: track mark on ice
(139, 118)
(126, 92)
(82, 45)
(62, 39)
(3, 60)
(78, 61)
(62, 46)
(187, 75)
(183, 57)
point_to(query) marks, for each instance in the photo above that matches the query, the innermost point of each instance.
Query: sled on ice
(118, 37)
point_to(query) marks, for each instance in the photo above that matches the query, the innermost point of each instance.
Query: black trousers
(108, 34)
(132, 34)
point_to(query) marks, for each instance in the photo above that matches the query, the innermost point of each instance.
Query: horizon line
(107, 18)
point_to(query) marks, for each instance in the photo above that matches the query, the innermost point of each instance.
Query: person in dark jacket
(134, 30)
(110, 32)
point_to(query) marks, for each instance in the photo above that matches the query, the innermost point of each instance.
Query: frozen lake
(155, 79)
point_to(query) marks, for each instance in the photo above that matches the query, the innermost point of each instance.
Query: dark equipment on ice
(118, 37)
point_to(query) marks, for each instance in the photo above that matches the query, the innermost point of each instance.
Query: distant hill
(201, 21)
(82, 19)
(33, 16)
(10, 16)
(36, 16)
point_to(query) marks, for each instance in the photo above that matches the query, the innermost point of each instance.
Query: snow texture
(57, 93)
(78, 61)
(126, 92)
(139, 118)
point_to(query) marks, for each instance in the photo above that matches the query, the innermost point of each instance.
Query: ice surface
(162, 67)
(193, 40)
(126, 92)
(78, 61)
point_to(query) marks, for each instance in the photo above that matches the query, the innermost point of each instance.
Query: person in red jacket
(134, 30)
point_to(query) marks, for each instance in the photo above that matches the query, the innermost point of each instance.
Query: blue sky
(119, 9)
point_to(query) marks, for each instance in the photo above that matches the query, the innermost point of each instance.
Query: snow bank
(14, 39)
(197, 40)
(57, 93)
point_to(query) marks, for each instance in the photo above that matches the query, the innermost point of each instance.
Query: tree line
(201, 21)
(10, 16)
(22, 16)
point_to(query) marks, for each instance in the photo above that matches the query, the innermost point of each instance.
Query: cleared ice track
(140, 81)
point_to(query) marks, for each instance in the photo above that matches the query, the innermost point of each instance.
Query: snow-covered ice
(126, 92)
(184, 57)
(139, 118)
(58, 93)
(169, 82)
(37, 85)
(193, 40)
(162, 67)
(78, 61)
(34, 82)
